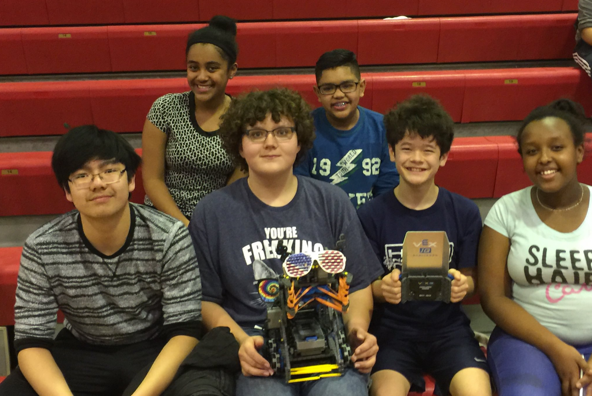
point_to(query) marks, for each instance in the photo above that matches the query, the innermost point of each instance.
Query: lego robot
(304, 327)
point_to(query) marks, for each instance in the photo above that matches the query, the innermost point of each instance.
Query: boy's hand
(459, 287)
(365, 349)
(391, 287)
(252, 363)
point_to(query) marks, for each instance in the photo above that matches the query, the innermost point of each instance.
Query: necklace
(561, 209)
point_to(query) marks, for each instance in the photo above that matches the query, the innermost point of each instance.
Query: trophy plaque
(424, 276)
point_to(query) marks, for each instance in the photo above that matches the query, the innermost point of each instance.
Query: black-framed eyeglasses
(258, 135)
(345, 87)
(108, 176)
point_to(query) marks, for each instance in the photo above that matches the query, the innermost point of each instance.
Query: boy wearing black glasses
(350, 150)
(237, 232)
(124, 275)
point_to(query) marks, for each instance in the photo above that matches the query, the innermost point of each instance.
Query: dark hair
(423, 115)
(87, 143)
(221, 32)
(337, 58)
(254, 107)
(569, 111)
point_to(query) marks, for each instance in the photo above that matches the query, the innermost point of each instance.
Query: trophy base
(425, 288)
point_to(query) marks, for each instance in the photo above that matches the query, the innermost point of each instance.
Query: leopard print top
(195, 161)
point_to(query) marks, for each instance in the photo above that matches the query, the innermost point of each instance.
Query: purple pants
(519, 369)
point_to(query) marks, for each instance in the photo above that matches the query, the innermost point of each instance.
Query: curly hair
(253, 107)
(567, 110)
(423, 115)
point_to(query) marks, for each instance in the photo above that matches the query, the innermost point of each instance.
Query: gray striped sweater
(584, 16)
(150, 288)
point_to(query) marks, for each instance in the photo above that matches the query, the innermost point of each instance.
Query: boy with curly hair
(423, 336)
(266, 133)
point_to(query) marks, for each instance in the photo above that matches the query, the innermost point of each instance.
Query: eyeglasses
(345, 87)
(259, 135)
(109, 176)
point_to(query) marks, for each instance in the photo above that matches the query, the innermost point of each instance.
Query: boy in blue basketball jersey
(350, 149)
(419, 337)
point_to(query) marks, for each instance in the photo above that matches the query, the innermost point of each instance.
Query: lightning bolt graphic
(347, 164)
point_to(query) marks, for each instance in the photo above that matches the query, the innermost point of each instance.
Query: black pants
(92, 370)
(583, 56)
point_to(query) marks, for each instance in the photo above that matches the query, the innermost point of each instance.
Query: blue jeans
(351, 383)
(519, 368)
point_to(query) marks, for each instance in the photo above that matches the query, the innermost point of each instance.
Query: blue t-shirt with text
(232, 229)
(356, 160)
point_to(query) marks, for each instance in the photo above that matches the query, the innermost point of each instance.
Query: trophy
(425, 267)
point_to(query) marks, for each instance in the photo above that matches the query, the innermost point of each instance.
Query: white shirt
(549, 269)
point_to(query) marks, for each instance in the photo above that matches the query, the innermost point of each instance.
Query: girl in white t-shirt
(535, 263)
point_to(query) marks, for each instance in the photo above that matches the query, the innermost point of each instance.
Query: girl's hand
(568, 362)
(586, 379)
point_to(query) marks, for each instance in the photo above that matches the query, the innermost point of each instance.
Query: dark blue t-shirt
(386, 221)
(356, 160)
(231, 229)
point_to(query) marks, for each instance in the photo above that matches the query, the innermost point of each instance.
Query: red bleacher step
(122, 105)
(121, 48)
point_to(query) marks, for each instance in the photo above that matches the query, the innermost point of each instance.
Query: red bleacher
(12, 54)
(9, 264)
(515, 92)
(119, 48)
(509, 176)
(300, 43)
(477, 167)
(23, 13)
(471, 167)
(99, 12)
(87, 12)
(148, 47)
(570, 5)
(447, 86)
(42, 108)
(409, 41)
(111, 109)
(71, 50)
(241, 9)
(142, 11)
(461, 7)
